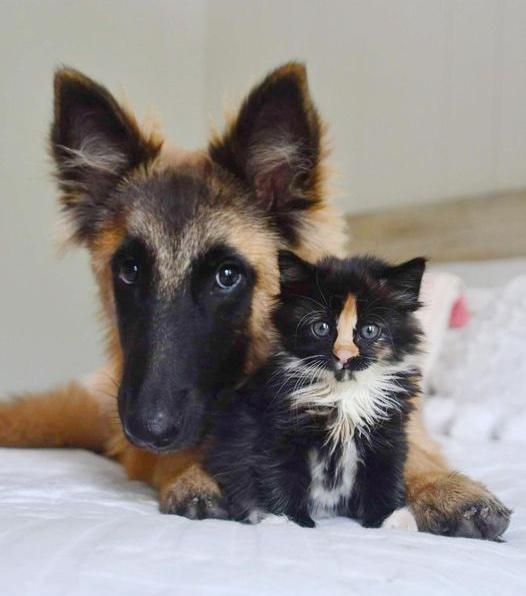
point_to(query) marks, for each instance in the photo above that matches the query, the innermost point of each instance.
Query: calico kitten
(320, 430)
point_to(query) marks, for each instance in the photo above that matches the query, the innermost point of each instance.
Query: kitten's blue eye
(370, 332)
(320, 328)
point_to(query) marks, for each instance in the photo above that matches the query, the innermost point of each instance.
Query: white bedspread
(70, 523)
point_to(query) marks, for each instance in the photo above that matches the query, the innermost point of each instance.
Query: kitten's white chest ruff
(331, 485)
(358, 403)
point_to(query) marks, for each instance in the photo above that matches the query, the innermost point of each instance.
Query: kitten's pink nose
(344, 352)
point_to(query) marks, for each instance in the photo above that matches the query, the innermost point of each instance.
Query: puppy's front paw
(487, 518)
(401, 519)
(193, 495)
(454, 505)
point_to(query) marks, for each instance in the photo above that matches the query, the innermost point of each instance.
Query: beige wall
(426, 99)
(153, 50)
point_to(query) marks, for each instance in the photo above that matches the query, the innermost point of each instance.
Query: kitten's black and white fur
(320, 430)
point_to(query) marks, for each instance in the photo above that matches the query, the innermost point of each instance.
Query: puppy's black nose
(157, 432)
(162, 429)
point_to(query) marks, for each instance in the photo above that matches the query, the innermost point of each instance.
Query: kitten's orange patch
(344, 347)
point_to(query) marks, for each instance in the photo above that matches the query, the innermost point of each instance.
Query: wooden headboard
(467, 229)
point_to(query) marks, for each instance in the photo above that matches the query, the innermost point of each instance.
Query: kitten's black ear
(406, 280)
(94, 143)
(274, 143)
(293, 270)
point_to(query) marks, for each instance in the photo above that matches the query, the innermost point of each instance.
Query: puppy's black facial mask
(180, 346)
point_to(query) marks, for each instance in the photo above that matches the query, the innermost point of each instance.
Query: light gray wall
(426, 99)
(154, 51)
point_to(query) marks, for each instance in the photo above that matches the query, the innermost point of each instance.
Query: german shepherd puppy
(184, 250)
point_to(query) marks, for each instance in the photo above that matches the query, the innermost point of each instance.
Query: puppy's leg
(71, 416)
(443, 501)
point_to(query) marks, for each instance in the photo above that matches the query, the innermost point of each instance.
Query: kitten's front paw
(193, 495)
(303, 519)
(454, 505)
(401, 519)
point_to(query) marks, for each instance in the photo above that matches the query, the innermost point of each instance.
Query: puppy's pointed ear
(293, 271)
(94, 143)
(274, 143)
(405, 280)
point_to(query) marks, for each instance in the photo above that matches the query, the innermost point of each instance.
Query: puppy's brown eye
(321, 328)
(228, 276)
(370, 332)
(129, 271)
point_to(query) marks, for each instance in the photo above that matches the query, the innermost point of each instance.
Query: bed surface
(71, 524)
